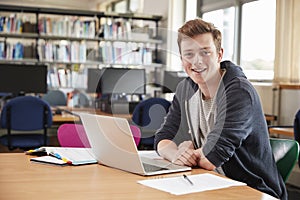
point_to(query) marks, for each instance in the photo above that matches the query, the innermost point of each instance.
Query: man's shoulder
(186, 87)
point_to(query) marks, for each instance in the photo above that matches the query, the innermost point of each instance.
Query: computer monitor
(93, 78)
(123, 81)
(22, 78)
(171, 80)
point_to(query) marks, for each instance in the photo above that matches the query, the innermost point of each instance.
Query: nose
(197, 59)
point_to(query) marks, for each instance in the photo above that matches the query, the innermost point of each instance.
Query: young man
(216, 120)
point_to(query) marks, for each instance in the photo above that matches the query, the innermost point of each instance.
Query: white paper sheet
(201, 182)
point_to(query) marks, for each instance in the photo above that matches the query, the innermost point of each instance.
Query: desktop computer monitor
(122, 81)
(93, 78)
(171, 80)
(22, 78)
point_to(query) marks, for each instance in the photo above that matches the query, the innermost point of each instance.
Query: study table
(286, 131)
(66, 117)
(22, 179)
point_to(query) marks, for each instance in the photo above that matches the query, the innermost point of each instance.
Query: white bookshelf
(74, 40)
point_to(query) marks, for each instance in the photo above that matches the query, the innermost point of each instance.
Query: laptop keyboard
(152, 168)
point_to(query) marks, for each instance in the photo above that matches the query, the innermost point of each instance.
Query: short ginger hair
(198, 26)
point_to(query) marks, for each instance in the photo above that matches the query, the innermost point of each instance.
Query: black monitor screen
(171, 80)
(94, 75)
(18, 78)
(122, 81)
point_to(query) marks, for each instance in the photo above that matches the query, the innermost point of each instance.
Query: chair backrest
(80, 99)
(26, 113)
(286, 154)
(55, 98)
(74, 135)
(136, 132)
(297, 129)
(150, 113)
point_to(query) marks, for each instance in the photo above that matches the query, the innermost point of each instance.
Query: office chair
(55, 98)
(286, 154)
(78, 98)
(295, 126)
(26, 114)
(73, 135)
(149, 115)
(136, 132)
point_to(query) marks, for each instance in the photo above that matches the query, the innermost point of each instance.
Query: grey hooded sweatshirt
(239, 140)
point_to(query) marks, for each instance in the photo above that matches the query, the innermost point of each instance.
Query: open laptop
(113, 145)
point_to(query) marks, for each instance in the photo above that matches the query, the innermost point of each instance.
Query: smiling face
(200, 58)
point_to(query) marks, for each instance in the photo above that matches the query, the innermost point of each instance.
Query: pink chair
(73, 135)
(136, 132)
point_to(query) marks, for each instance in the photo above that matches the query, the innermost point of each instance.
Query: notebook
(113, 145)
(64, 156)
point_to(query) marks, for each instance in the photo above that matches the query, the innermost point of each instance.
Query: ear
(220, 55)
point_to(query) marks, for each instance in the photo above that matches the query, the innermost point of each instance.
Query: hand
(185, 155)
(203, 161)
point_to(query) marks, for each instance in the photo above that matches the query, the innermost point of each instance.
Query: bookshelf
(70, 41)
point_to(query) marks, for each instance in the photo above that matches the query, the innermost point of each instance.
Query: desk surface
(69, 118)
(21, 179)
(287, 131)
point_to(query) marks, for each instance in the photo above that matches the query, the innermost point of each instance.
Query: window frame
(205, 6)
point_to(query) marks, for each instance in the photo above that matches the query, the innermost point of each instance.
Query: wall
(283, 103)
(265, 91)
(289, 105)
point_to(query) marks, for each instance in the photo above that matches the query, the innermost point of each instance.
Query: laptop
(113, 145)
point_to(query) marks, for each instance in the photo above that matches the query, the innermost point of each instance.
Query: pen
(56, 155)
(187, 178)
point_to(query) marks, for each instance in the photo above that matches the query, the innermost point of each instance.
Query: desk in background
(21, 179)
(66, 117)
(286, 131)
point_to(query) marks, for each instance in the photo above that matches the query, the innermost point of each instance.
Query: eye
(188, 54)
(205, 53)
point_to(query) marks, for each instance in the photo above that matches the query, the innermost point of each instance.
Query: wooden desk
(64, 118)
(282, 131)
(270, 118)
(69, 118)
(21, 179)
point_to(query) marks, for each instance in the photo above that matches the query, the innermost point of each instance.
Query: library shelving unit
(70, 41)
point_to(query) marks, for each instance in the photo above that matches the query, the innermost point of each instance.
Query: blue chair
(80, 99)
(55, 98)
(25, 114)
(149, 115)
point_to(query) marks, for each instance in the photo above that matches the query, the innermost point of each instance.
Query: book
(63, 155)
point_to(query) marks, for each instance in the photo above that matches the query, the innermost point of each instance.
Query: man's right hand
(185, 155)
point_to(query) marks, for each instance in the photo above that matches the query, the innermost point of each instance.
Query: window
(251, 45)
(258, 39)
(190, 9)
(223, 19)
(120, 7)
